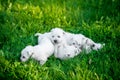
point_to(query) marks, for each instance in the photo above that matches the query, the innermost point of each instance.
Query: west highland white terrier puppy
(40, 36)
(62, 49)
(85, 43)
(91, 45)
(39, 52)
(57, 35)
(65, 51)
(67, 36)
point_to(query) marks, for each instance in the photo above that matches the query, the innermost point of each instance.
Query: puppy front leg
(55, 51)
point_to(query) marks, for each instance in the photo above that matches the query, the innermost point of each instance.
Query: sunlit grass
(21, 19)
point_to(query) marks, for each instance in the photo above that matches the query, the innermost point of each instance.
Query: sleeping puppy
(91, 45)
(39, 52)
(65, 51)
(86, 44)
(78, 41)
(62, 49)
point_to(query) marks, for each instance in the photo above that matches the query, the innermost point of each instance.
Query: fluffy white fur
(57, 35)
(90, 45)
(63, 44)
(62, 49)
(40, 36)
(39, 52)
(85, 43)
(67, 36)
(65, 51)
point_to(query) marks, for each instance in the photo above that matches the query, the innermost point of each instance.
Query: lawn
(96, 19)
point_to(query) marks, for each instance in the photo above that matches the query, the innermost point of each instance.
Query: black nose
(55, 41)
(23, 57)
(68, 54)
(93, 45)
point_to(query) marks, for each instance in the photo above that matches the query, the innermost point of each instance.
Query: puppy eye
(73, 43)
(52, 36)
(93, 45)
(23, 57)
(68, 54)
(58, 36)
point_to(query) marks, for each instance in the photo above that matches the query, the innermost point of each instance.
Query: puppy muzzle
(55, 41)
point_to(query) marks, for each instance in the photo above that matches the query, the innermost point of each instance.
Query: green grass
(96, 19)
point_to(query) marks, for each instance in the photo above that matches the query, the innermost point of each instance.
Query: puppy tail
(38, 34)
(103, 44)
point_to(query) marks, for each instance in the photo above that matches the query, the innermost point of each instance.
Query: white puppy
(78, 40)
(91, 45)
(40, 36)
(65, 51)
(85, 43)
(39, 52)
(62, 49)
(57, 35)
(67, 36)
(98, 46)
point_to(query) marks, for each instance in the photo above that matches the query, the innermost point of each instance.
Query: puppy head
(57, 35)
(72, 51)
(73, 42)
(76, 42)
(79, 49)
(98, 46)
(26, 53)
(69, 54)
(93, 45)
(89, 43)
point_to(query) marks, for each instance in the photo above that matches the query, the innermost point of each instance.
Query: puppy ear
(103, 44)
(83, 38)
(93, 45)
(86, 41)
(63, 33)
(81, 47)
(30, 53)
(52, 30)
